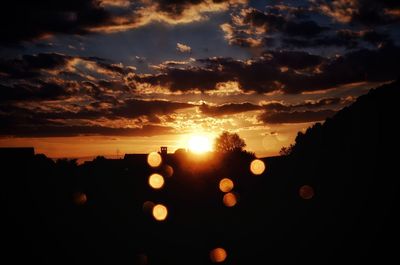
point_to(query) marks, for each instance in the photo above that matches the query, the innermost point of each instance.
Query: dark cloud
(254, 28)
(280, 71)
(23, 20)
(38, 91)
(177, 7)
(356, 25)
(134, 108)
(227, 109)
(295, 116)
(298, 11)
(294, 59)
(30, 65)
(276, 22)
(321, 103)
(131, 109)
(192, 78)
(265, 74)
(48, 76)
(258, 75)
(26, 20)
(23, 122)
(366, 12)
(342, 38)
(70, 131)
(357, 66)
(57, 95)
(376, 38)
(307, 111)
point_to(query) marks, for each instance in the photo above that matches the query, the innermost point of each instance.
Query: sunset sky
(84, 77)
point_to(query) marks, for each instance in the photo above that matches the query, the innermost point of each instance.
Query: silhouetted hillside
(367, 124)
(349, 161)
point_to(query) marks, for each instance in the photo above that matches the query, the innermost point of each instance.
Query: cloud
(367, 12)
(38, 91)
(187, 79)
(183, 48)
(356, 66)
(133, 108)
(317, 104)
(295, 116)
(227, 109)
(342, 38)
(239, 37)
(290, 72)
(29, 66)
(252, 23)
(261, 75)
(285, 26)
(132, 117)
(80, 94)
(130, 109)
(27, 21)
(70, 131)
(308, 111)
(145, 12)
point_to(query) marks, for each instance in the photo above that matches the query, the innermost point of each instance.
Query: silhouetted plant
(229, 142)
(286, 150)
(99, 159)
(66, 163)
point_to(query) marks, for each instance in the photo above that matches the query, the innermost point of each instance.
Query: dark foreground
(346, 215)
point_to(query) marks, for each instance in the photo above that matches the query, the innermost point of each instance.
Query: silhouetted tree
(229, 142)
(66, 163)
(99, 159)
(286, 150)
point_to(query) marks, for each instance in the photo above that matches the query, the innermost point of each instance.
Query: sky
(89, 77)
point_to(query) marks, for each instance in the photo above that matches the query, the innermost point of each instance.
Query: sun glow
(199, 144)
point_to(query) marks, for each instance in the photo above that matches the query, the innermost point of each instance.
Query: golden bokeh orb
(156, 181)
(218, 255)
(169, 171)
(160, 212)
(79, 198)
(154, 159)
(306, 192)
(257, 167)
(148, 207)
(141, 259)
(226, 185)
(229, 199)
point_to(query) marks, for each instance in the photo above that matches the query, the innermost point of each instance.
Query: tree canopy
(229, 142)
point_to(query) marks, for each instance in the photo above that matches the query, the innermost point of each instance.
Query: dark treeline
(330, 201)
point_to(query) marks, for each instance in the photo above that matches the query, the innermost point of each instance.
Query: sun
(199, 144)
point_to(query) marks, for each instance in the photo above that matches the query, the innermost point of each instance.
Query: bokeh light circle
(226, 185)
(257, 167)
(306, 192)
(229, 199)
(156, 181)
(79, 198)
(160, 212)
(218, 255)
(154, 159)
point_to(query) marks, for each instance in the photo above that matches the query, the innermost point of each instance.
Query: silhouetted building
(163, 151)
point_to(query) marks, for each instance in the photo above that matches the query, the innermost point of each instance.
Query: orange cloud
(183, 48)
(171, 13)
